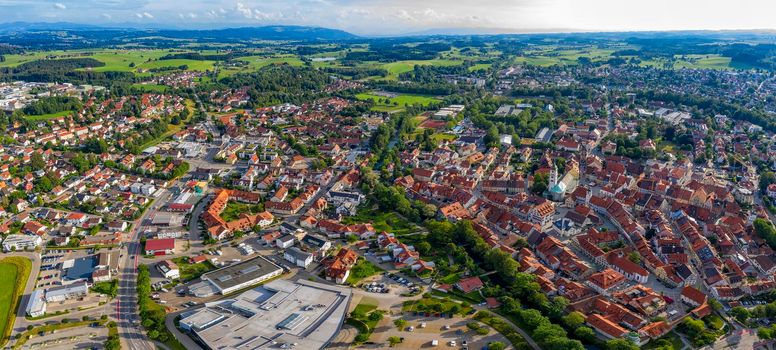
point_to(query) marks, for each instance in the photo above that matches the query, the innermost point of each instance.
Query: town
(328, 201)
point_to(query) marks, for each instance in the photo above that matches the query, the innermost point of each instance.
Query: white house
(168, 269)
(298, 257)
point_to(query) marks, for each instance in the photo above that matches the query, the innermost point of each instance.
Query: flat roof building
(280, 314)
(242, 275)
(21, 242)
(68, 291)
(36, 306)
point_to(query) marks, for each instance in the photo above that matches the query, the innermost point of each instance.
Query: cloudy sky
(404, 16)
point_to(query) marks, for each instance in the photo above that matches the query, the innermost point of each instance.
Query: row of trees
(152, 315)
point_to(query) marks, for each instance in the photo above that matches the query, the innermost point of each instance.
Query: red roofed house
(162, 246)
(692, 296)
(468, 285)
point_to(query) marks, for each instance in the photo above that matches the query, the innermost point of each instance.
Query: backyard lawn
(191, 271)
(234, 209)
(361, 270)
(382, 221)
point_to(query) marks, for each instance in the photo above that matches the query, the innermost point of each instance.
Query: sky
(375, 17)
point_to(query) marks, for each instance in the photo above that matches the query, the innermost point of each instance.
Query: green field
(382, 221)
(396, 102)
(479, 66)
(433, 304)
(396, 68)
(234, 209)
(42, 117)
(258, 62)
(115, 60)
(156, 88)
(14, 272)
(693, 62)
(191, 271)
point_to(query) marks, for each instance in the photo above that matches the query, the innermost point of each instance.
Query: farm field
(694, 62)
(115, 60)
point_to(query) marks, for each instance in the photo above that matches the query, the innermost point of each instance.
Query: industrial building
(280, 314)
(242, 275)
(69, 291)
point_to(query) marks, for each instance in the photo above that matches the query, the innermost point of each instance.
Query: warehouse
(280, 314)
(242, 275)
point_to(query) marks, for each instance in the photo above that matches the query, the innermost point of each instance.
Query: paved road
(130, 330)
(21, 322)
(184, 339)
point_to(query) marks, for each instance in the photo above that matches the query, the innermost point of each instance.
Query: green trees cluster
(277, 84)
(152, 315)
(112, 342)
(698, 332)
(765, 230)
(52, 104)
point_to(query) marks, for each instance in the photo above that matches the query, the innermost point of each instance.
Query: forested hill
(43, 36)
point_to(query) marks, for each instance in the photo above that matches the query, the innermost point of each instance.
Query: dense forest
(64, 70)
(279, 84)
(397, 52)
(53, 104)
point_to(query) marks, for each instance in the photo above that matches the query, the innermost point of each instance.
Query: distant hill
(227, 34)
(262, 33)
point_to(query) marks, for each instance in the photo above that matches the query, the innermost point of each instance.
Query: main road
(129, 323)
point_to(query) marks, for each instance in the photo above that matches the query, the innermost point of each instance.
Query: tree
(376, 316)
(634, 257)
(574, 319)
(496, 345)
(740, 314)
(766, 179)
(620, 344)
(491, 138)
(423, 248)
(765, 333)
(716, 305)
(393, 340)
(541, 181)
(37, 162)
(585, 334)
(400, 323)
(693, 327)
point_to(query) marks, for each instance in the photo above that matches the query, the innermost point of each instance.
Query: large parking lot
(51, 265)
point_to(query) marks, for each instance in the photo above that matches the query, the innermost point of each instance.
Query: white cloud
(106, 16)
(60, 6)
(246, 11)
(147, 15)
